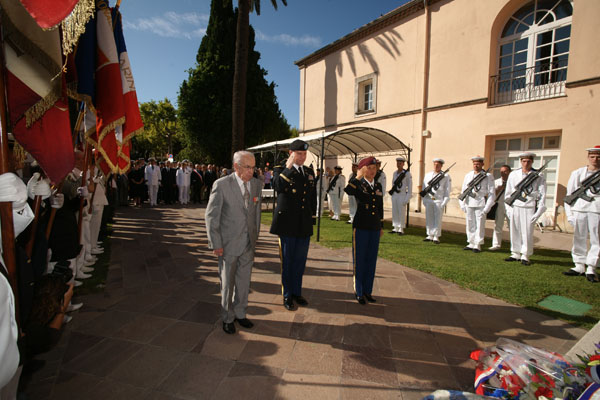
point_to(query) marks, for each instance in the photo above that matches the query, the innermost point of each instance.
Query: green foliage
(486, 272)
(205, 98)
(160, 136)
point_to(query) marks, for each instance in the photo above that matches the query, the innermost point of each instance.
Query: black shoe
(467, 248)
(525, 262)
(572, 272)
(392, 232)
(476, 251)
(288, 303)
(360, 300)
(229, 327)
(370, 298)
(427, 240)
(245, 322)
(591, 278)
(510, 259)
(400, 233)
(435, 241)
(301, 301)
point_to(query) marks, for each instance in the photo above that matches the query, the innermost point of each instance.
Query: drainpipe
(425, 96)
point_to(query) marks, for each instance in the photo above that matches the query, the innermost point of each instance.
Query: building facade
(458, 78)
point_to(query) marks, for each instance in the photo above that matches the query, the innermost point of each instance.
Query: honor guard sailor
(582, 207)
(500, 212)
(436, 195)
(367, 227)
(293, 220)
(525, 200)
(352, 199)
(401, 193)
(476, 200)
(335, 191)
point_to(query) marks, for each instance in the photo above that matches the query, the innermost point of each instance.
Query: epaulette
(352, 185)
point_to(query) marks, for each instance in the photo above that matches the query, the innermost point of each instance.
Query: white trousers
(336, 203)
(521, 233)
(399, 202)
(352, 205)
(475, 227)
(184, 194)
(95, 223)
(152, 194)
(586, 223)
(499, 225)
(433, 219)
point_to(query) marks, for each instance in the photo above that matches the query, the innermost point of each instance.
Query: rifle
(435, 181)
(589, 183)
(524, 187)
(473, 184)
(397, 183)
(332, 183)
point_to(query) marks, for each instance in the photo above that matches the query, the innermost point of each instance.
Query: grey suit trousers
(234, 273)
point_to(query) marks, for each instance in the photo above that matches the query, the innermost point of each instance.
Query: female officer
(367, 227)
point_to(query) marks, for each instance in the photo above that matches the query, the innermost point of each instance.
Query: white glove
(13, 189)
(571, 221)
(38, 187)
(538, 214)
(82, 191)
(57, 201)
(445, 201)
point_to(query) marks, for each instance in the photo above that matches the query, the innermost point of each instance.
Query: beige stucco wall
(463, 55)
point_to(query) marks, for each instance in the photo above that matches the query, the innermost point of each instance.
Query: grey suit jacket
(227, 219)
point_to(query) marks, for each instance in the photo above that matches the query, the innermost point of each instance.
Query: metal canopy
(344, 142)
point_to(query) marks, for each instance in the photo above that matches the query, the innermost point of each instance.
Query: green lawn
(486, 272)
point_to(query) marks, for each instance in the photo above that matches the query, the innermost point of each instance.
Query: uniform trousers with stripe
(521, 232)
(364, 256)
(293, 252)
(586, 223)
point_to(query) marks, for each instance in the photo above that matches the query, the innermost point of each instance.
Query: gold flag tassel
(74, 25)
(19, 155)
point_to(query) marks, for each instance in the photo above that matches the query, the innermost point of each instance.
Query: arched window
(533, 52)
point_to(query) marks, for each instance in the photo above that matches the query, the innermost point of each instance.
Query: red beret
(367, 161)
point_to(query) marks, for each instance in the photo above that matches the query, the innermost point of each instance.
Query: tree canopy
(205, 98)
(160, 136)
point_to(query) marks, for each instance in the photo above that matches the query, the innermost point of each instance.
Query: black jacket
(296, 202)
(369, 209)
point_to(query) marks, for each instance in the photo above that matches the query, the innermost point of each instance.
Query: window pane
(506, 49)
(537, 162)
(547, 19)
(551, 142)
(521, 58)
(550, 175)
(514, 144)
(544, 38)
(500, 145)
(564, 9)
(521, 44)
(550, 203)
(506, 61)
(509, 29)
(514, 162)
(561, 47)
(543, 52)
(560, 61)
(522, 28)
(536, 143)
(563, 33)
(552, 161)
(550, 187)
(498, 162)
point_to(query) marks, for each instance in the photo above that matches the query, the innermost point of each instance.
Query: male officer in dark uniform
(293, 220)
(367, 227)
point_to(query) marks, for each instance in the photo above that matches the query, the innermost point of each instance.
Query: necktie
(246, 195)
(300, 171)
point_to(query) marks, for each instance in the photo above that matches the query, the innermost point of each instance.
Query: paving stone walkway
(155, 332)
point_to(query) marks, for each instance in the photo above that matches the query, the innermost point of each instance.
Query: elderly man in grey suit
(233, 224)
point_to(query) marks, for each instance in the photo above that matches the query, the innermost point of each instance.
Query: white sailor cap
(441, 160)
(595, 149)
(400, 158)
(477, 158)
(527, 154)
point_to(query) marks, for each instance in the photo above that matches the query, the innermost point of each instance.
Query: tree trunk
(239, 77)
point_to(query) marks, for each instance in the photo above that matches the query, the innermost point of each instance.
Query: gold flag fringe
(38, 110)
(74, 25)
(19, 154)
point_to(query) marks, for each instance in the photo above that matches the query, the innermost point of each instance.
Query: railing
(543, 81)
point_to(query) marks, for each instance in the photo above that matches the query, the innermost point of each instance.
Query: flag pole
(6, 216)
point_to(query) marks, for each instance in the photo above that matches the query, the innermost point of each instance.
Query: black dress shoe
(572, 272)
(245, 322)
(467, 248)
(591, 278)
(427, 240)
(361, 300)
(370, 298)
(288, 303)
(510, 259)
(400, 233)
(435, 241)
(525, 262)
(301, 301)
(476, 251)
(392, 232)
(229, 327)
